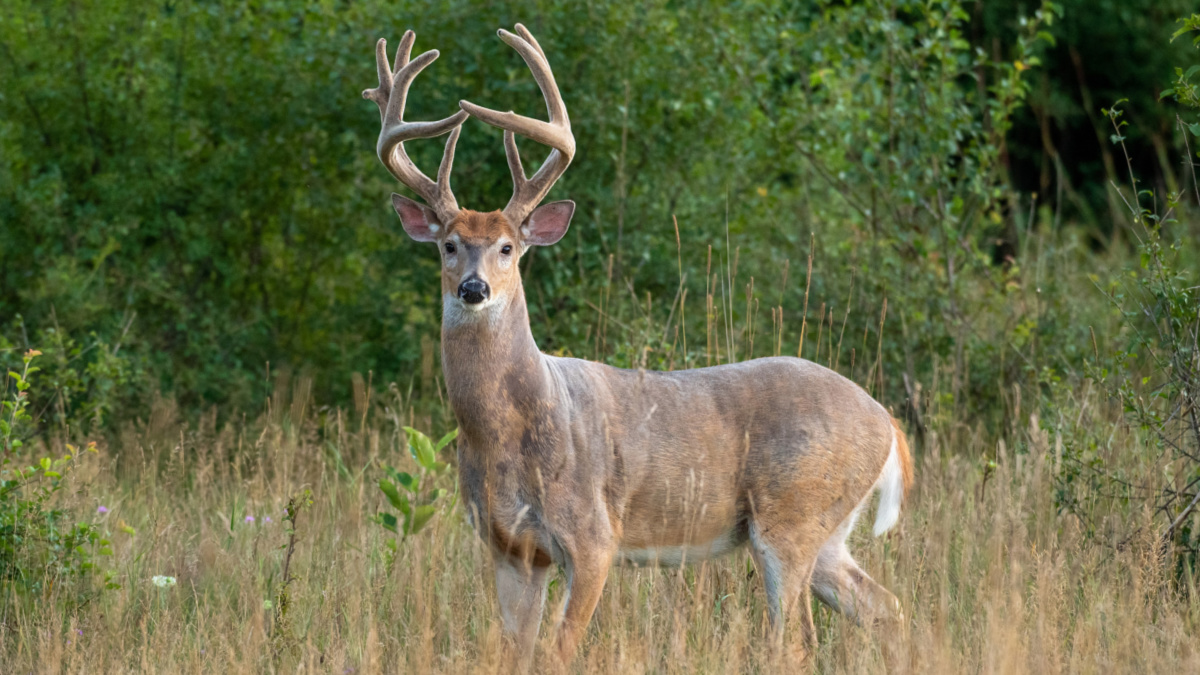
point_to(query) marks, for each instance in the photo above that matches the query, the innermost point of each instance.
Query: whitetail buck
(575, 463)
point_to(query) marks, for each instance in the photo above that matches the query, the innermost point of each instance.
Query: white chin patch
(457, 312)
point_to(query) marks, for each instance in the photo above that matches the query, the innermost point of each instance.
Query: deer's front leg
(521, 590)
(587, 570)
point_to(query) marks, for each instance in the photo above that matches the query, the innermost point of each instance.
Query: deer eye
(507, 249)
(450, 247)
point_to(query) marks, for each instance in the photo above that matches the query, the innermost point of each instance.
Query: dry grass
(991, 577)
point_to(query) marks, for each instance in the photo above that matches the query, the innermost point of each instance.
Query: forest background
(189, 193)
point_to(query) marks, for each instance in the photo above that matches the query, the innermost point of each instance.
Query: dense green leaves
(39, 543)
(191, 200)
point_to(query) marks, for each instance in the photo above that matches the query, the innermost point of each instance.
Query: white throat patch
(455, 312)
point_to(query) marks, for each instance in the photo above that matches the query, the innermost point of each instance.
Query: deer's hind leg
(785, 559)
(841, 584)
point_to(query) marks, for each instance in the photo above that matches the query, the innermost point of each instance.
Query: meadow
(218, 337)
(994, 577)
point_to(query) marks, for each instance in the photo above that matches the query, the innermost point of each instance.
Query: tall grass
(991, 575)
(992, 579)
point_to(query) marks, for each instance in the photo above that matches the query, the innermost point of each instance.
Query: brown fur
(476, 232)
(482, 227)
(581, 464)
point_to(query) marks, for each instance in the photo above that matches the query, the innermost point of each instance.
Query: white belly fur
(674, 556)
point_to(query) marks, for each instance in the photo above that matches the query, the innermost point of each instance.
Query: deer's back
(698, 451)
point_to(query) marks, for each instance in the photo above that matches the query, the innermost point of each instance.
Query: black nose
(473, 291)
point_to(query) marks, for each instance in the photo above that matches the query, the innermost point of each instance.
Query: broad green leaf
(409, 481)
(420, 517)
(445, 440)
(388, 521)
(393, 495)
(421, 448)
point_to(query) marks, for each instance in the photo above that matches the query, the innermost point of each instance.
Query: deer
(581, 465)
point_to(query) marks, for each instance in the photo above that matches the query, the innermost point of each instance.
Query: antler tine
(556, 133)
(528, 37)
(391, 96)
(443, 174)
(404, 52)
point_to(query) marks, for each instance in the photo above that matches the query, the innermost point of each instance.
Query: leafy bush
(1184, 91)
(1156, 377)
(192, 215)
(420, 500)
(39, 543)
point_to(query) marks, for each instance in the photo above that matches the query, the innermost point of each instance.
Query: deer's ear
(548, 223)
(419, 221)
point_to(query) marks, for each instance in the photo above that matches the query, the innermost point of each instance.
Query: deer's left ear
(548, 223)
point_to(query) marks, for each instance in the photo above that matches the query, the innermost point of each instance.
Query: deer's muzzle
(473, 291)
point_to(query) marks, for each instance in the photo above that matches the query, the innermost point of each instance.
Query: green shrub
(1156, 375)
(192, 214)
(41, 541)
(414, 496)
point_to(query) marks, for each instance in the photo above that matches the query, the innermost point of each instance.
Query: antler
(529, 192)
(390, 95)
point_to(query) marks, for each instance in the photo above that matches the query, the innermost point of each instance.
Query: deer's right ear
(548, 223)
(419, 221)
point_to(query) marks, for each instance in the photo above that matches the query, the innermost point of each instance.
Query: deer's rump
(697, 455)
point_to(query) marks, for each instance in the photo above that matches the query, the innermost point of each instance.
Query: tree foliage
(190, 196)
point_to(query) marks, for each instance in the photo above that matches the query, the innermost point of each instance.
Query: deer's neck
(495, 375)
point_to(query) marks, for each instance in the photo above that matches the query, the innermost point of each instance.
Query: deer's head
(479, 250)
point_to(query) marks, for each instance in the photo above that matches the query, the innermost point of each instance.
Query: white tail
(891, 489)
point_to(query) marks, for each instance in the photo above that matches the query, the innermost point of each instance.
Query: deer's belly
(675, 556)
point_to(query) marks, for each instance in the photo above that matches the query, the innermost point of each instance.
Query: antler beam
(390, 96)
(529, 192)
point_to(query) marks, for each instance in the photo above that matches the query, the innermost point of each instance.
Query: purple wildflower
(249, 519)
(102, 510)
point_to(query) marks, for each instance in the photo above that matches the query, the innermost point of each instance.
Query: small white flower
(163, 582)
